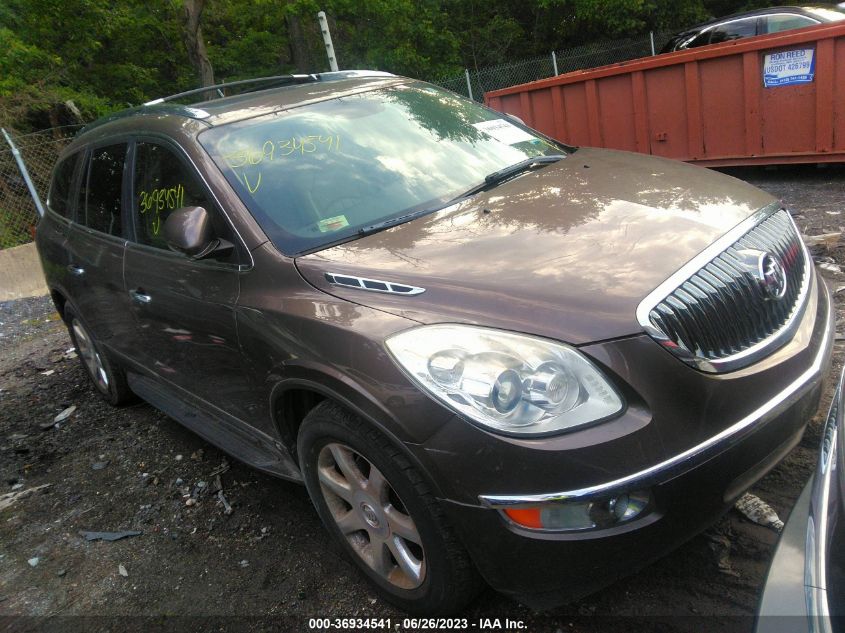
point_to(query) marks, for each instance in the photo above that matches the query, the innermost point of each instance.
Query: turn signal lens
(527, 517)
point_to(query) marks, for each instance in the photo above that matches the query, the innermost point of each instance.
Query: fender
(343, 390)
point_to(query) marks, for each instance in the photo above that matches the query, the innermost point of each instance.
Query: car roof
(246, 105)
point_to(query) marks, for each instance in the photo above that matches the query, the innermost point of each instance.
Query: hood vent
(373, 285)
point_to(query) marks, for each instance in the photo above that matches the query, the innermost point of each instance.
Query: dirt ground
(269, 563)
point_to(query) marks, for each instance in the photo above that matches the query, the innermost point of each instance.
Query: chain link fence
(474, 83)
(39, 150)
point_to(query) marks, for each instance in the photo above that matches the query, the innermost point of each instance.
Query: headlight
(508, 382)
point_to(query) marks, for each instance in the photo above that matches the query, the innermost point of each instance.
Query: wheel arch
(293, 398)
(59, 301)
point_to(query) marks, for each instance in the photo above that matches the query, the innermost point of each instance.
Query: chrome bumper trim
(676, 465)
(815, 552)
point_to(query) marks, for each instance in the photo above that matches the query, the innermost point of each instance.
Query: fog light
(606, 513)
(587, 515)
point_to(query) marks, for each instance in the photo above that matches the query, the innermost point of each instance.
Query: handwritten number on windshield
(240, 160)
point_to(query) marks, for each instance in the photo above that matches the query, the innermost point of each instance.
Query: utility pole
(327, 38)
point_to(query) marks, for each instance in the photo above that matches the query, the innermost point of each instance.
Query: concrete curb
(20, 273)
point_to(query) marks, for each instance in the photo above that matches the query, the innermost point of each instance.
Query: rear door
(54, 228)
(96, 243)
(184, 309)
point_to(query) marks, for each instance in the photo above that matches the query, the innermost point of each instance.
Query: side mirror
(188, 230)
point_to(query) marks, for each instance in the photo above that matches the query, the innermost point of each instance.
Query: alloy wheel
(90, 357)
(372, 517)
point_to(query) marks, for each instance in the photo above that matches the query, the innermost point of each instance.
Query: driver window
(702, 39)
(164, 183)
(734, 30)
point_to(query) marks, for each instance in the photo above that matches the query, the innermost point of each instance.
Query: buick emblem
(772, 276)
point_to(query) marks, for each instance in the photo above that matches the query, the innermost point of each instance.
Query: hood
(567, 251)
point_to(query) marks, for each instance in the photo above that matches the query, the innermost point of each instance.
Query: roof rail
(299, 79)
(242, 82)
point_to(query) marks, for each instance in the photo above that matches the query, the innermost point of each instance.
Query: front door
(184, 309)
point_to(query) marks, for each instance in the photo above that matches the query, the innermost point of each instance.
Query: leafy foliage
(106, 54)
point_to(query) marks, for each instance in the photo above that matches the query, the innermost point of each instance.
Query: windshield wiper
(386, 224)
(498, 177)
(490, 180)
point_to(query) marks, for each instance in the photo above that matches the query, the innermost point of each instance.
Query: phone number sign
(788, 68)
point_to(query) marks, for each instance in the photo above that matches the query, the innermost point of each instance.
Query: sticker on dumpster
(503, 131)
(788, 68)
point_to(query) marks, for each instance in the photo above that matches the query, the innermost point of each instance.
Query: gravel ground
(270, 562)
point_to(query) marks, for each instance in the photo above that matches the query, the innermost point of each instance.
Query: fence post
(469, 84)
(554, 62)
(25, 173)
(651, 37)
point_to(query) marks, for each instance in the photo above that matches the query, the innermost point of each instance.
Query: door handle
(138, 296)
(75, 270)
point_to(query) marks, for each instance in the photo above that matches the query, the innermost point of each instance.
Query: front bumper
(795, 597)
(689, 491)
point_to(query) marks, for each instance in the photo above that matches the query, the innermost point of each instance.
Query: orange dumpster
(777, 98)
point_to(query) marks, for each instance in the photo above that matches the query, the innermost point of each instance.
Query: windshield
(317, 174)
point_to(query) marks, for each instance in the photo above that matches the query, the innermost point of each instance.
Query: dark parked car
(485, 353)
(751, 23)
(805, 588)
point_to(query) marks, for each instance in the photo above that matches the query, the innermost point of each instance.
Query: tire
(105, 375)
(379, 509)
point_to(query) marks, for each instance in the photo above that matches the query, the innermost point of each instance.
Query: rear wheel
(381, 512)
(106, 376)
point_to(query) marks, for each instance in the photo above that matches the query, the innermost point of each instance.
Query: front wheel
(379, 509)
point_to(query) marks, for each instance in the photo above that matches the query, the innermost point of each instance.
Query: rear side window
(58, 199)
(102, 190)
(163, 183)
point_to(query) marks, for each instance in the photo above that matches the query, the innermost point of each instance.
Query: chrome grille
(720, 316)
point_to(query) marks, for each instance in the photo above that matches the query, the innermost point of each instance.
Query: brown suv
(485, 353)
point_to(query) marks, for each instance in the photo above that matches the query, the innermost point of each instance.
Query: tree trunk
(194, 42)
(298, 51)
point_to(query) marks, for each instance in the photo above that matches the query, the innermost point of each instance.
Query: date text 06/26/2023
(416, 624)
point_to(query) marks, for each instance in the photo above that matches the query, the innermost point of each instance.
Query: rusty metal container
(772, 99)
